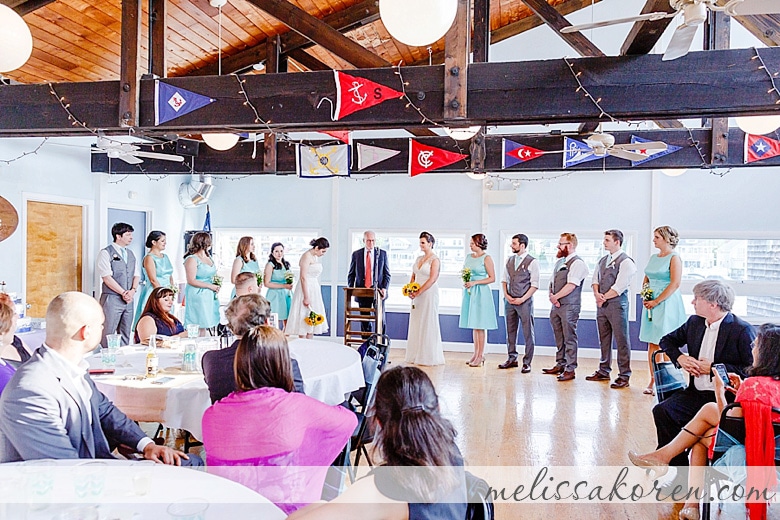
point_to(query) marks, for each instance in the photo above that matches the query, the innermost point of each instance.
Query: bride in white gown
(423, 346)
(307, 296)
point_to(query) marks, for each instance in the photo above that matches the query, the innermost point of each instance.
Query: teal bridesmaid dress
(163, 270)
(201, 306)
(279, 298)
(478, 310)
(249, 267)
(670, 313)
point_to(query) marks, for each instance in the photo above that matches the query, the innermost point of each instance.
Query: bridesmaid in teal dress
(275, 279)
(245, 262)
(157, 270)
(201, 305)
(665, 312)
(478, 311)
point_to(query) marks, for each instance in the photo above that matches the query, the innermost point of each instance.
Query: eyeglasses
(561, 244)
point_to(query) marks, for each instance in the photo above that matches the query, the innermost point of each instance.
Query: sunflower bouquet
(647, 295)
(409, 289)
(314, 319)
(217, 280)
(465, 275)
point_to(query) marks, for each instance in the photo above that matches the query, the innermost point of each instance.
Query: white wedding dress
(423, 345)
(295, 324)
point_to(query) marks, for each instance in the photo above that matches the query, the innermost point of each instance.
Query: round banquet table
(123, 490)
(329, 371)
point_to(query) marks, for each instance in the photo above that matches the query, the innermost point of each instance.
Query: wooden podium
(353, 314)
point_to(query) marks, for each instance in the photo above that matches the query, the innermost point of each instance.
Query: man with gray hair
(243, 314)
(714, 335)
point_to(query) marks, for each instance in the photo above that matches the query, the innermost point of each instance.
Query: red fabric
(423, 158)
(368, 269)
(758, 147)
(353, 94)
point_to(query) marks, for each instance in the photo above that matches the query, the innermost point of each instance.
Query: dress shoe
(508, 364)
(658, 467)
(620, 382)
(525, 369)
(597, 376)
(566, 376)
(554, 370)
(478, 363)
(690, 513)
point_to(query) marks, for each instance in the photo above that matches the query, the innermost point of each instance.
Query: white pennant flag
(322, 161)
(371, 155)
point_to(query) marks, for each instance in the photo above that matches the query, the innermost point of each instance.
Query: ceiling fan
(130, 153)
(604, 144)
(694, 14)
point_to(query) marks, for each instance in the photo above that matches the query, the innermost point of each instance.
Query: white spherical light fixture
(417, 23)
(673, 172)
(477, 176)
(16, 41)
(758, 125)
(220, 142)
(462, 134)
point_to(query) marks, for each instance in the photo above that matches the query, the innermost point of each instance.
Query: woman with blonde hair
(7, 329)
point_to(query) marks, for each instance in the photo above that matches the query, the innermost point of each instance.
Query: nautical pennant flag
(322, 161)
(171, 102)
(353, 94)
(515, 153)
(759, 147)
(576, 152)
(371, 155)
(651, 154)
(342, 135)
(424, 158)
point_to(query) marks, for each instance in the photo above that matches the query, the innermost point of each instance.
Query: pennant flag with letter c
(423, 158)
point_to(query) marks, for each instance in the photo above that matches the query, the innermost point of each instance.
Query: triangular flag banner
(342, 135)
(651, 154)
(424, 158)
(371, 155)
(322, 161)
(353, 94)
(171, 102)
(576, 152)
(758, 147)
(515, 153)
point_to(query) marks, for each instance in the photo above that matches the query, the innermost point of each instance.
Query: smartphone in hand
(720, 371)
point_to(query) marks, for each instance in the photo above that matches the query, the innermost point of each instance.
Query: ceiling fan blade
(681, 42)
(652, 145)
(628, 156)
(129, 159)
(160, 156)
(750, 7)
(606, 23)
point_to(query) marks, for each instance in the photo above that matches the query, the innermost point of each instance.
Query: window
(403, 248)
(751, 266)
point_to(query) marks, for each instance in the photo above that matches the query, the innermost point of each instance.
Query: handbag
(668, 378)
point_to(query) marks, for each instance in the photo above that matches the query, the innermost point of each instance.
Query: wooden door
(54, 252)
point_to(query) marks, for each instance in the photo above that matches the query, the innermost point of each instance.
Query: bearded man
(566, 295)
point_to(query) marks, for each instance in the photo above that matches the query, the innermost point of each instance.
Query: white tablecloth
(124, 490)
(329, 370)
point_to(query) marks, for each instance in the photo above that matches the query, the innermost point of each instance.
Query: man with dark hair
(520, 282)
(117, 267)
(611, 287)
(713, 335)
(243, 313)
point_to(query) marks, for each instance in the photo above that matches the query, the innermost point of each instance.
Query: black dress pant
(673, 413)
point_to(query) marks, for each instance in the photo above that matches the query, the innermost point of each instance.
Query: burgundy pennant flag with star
(515, 153)
(353, 94)
(759, 147)
(424, 158)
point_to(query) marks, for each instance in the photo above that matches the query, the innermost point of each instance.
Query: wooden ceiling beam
(645, 34)
(158, 56)
(321, 33)
(556, 21)
(307, 60)
(456, 63)
(27, 6)
(717, 36)
(481, 40)
(128, 114)
(765, 27)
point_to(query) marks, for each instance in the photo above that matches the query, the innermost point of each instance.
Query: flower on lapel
(116, 258)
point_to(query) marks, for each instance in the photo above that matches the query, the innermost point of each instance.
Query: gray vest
(560, 279)
(519, 279)
(122, 272)
(608, 275)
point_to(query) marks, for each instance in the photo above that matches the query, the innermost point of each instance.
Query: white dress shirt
(578, 271)
(533, 269)
(625, 275)
(104, 262)
(704, 381)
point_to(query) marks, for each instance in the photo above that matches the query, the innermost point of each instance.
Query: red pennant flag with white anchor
(424, 158)
(353, 94)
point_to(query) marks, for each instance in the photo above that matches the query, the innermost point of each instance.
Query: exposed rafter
(765, 27)
(645, 34)
(578, 41)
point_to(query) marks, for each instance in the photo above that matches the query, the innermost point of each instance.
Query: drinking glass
(108, 357)
(114, 340)
(89, 478)
(189, 358)
(193, 330)
(142, 483)
(188, 509)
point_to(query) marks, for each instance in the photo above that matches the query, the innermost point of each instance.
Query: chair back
(372, 361)
(480, 505)
(668, 378)
(731, 431)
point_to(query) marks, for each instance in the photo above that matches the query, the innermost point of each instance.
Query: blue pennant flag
(651, 154)
(576, 152)
(207, 222)
(171, 102)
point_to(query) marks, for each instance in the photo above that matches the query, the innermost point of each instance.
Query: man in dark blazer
(713, 335)
(379, 273)
(51, 408)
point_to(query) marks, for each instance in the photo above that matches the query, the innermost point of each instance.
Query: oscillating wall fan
(130, 153)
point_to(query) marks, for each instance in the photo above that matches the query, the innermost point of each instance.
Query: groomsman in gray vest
(611, 284)
(566, 296)
(119, 271)
(521, 281)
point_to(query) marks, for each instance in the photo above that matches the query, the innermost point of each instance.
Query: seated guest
(246, 283)
(51, 408)
(157, 317)
(243, 314)
(713, 335)
(264, 424)
(15, 350)
(410, 433)
(756, 395)
(7, 328)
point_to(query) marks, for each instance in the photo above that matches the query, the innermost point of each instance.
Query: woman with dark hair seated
(157, 317)
(422, 476)
(756, 395)
(268, 438)
(13, 350)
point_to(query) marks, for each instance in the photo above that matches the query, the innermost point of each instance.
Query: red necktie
(368, 269)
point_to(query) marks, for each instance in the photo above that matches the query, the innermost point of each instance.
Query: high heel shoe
(649, 390)
(479, 363)
(659, 468)
(690, 513)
